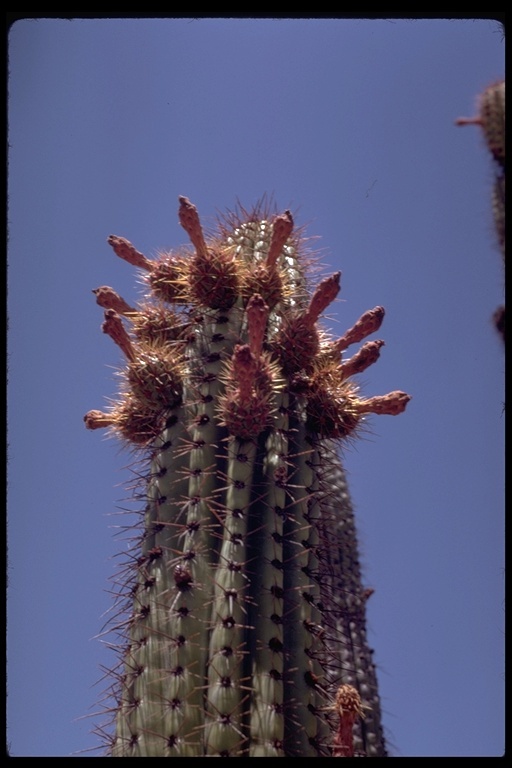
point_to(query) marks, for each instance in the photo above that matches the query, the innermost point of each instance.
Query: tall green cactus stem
(491, 119)
(245, 633)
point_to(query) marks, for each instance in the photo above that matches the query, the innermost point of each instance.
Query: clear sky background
(350, 124)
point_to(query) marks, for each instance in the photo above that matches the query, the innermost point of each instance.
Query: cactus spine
(246, 614)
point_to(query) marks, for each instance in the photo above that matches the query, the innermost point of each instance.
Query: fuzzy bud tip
(366, 356)
(113, 327)
(348, 707)
(189, 220)
(325, 293)
(391, 404)
(126, 251)
(97, 420)
(282, 229)
(368, 323)
(257, 314)
(107, 298)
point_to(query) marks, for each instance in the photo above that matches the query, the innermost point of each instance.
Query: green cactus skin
(245, 632)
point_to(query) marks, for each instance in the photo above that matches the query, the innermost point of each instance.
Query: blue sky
(350, 124)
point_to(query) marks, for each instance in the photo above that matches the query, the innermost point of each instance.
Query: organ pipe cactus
(245, 631)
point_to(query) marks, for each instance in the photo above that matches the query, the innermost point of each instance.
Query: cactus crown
(246, 610)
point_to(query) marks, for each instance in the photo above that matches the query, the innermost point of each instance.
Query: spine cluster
(246, 631)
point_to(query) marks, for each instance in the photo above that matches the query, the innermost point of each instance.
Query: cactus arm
(265, 565)
(303, 694)
(167, 487)
(210, 343)
(229, 615)
(491, 119)
(150, 696)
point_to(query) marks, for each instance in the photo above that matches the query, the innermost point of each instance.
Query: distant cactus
(491, 119)
(245, 632)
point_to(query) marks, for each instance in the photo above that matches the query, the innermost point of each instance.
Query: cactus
(245, 632)
(491, 119)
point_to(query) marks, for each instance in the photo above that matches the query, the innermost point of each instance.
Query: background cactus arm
(342, 590)
(491, 118)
